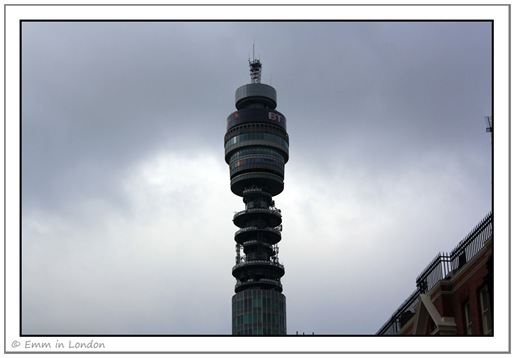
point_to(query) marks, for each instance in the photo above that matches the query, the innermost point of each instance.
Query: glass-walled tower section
(256, 150)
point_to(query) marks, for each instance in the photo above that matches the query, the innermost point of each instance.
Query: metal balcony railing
(253, 189)
(273, 211)
(244, 262)
(443, 266)
(400, 317)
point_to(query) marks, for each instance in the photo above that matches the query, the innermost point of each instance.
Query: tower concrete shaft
(256, 149)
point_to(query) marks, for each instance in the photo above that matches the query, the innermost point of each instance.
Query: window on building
(486, 313)
(468, 318)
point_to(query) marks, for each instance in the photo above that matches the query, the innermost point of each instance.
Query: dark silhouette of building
(454, 294)
(256, 149)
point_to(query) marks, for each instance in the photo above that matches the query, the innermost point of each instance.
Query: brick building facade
(454, 293)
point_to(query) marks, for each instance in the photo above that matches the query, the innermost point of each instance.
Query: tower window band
(254, 136)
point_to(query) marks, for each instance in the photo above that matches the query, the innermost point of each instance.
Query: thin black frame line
(263, 5)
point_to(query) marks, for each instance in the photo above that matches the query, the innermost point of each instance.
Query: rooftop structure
(454, 294)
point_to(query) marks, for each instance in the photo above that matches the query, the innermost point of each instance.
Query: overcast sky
(126, 203)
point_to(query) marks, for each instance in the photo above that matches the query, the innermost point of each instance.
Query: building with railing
(454, 294)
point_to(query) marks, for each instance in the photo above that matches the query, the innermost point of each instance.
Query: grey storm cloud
(126, 205)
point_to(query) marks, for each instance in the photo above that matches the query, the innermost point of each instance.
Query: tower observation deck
(256, 149)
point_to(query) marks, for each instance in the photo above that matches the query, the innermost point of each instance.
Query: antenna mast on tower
(489, 123)
(255, 69)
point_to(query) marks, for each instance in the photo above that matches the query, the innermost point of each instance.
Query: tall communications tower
(256, 149)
